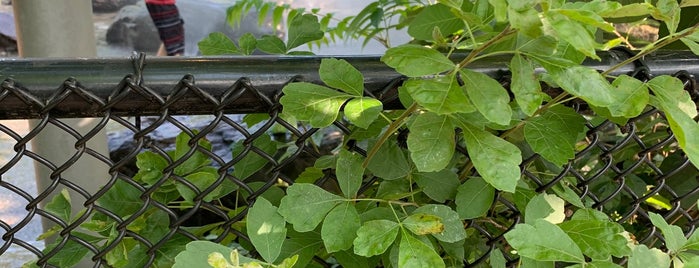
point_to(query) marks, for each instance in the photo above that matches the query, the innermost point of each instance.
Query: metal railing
(611, 171)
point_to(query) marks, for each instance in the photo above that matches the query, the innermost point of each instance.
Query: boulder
(133, 28)
(106, 6)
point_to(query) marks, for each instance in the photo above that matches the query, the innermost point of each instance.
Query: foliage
(422, 199)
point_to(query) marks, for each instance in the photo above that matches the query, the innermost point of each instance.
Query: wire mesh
(620, 170)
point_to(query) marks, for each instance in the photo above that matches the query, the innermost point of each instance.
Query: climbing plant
(419, 195)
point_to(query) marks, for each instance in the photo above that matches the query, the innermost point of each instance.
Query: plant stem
(392, 128)
(471, 56)
(646, 51)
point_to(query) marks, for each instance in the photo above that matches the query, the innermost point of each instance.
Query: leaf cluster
(402, 195)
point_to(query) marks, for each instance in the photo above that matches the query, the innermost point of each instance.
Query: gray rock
(106, 6)
(133, 28)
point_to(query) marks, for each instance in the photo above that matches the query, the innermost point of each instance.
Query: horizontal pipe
(32, 87)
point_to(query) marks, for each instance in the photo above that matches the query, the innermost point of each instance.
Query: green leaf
(670, 92)
(564, 191)
(247, 43)
(441, 95)
(303, 29)
(567, 126)
(689, 3)
(573, 33)
(598, 240)
(150, 167)
(217, 44)
(374, 237)
(72, 252)
(525, 85)
(415, 60)
(196, 254)
(631, 97)
(586, 18)
(439, 16)
(431, 142)
(340, 227)
(59, 206)
(679, 110)
(489, 97)
(349, 259)
(453, 227)
(271, 44)
(669, 12)
(303, 245)
(390, 162)
(544, 241)
(495, 159)
(252, 161)
(305, 205)
(474, 198)
(585, 83)
(526, 20)
(412, 253)
(692, 242)
(423, 224)
(500, 9)
(317, 104)
(121, 199)
(349, 172)
(643, 257)
(196, 160)
(497, 259)
(440, 186)
(201, 180)
(630, 10)
(597, 264)
(546, 207)
(309, 175)
(342, 75)
(266, 229)
(674, 237)
(691, 44)
(363, 111)
(542, 46)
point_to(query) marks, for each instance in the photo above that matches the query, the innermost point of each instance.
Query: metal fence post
(62, 28)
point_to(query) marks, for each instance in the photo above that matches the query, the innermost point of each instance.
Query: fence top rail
(132, 85)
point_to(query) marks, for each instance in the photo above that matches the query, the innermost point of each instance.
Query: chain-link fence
(625, 171)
